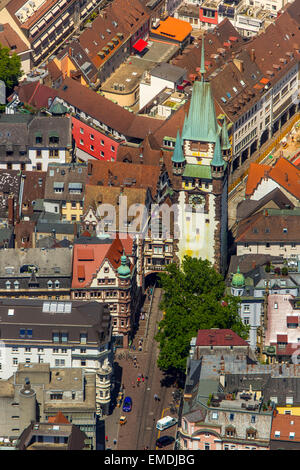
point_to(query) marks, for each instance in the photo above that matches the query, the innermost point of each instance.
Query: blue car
(127, 405)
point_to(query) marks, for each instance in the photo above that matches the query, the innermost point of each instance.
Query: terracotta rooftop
(282, 427)
(219, 337)
(285, 173)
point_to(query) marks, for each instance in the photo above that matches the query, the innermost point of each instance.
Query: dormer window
(53, 138)
(50, 284)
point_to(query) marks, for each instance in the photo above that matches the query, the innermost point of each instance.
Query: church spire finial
(202, 66)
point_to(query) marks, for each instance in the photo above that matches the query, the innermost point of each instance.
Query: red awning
(140, 45)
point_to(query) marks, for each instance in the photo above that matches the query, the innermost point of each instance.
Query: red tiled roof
(285, 173)
(90, 266)
(59, 418)
(219, 337)
(285, 424)
(81, 271)
(85, 254)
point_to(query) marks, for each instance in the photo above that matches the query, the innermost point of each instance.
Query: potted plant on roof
(277, 271)
(268, 267)
(284, 271)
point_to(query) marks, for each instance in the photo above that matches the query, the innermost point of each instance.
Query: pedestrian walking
(106, 438)
(155, 397)
(115, 441)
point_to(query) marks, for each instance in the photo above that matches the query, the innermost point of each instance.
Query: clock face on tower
(196, 200)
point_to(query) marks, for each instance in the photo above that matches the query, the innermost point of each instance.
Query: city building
(54, 435)
(65, 190)
(199, 162)
(43, 26)
(37, 393)
(35, 273)
(63, 334)
(272, 231)
(32, 142)
(162, 76)
(104, 271)
(285, 432)
(171, 30)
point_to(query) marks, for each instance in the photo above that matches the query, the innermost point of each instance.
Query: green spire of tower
(202, 66)
(217, 158)
(124, 269)
(238, 279)
(178, 156)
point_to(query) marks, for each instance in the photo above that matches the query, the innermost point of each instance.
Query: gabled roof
(59, 418)
(270, 225)
(285, 173)
(219, 337)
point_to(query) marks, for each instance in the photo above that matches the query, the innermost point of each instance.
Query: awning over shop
(140, 45)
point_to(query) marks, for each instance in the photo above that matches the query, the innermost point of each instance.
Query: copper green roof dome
(124, 269)
(238, 279)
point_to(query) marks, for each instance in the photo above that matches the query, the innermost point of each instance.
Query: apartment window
(83, 363)
(56, 396)
(102, 142)
(92, 137)
(15, 348)
(275, 305)
(59, 362)
(112, 148)
(81, 142)
(64, 337)
(27, 350)
(92, 148)
(54, 139)
(102, 153)
(55, 337)
(206, 446)
(15, 361)
(27, 360)
(83, 338)
(81, 131)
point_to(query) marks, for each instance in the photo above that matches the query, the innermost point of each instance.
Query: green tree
(10, 68)
(193, 299)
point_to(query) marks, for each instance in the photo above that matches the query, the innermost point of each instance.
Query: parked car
(164, 441)
(127, 405)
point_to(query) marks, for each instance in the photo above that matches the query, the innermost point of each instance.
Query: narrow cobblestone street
(140, 432)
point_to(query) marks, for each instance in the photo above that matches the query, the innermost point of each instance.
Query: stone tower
(199, 159)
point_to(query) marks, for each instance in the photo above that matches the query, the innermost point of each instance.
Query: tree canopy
(193, 298)
(10, 68)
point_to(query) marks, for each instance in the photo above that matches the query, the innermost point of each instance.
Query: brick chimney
(90, 168)
(252, 55)
(11, 209)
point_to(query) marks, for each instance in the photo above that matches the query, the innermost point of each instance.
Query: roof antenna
(202, 66)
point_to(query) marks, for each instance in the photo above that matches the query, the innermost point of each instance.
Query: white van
(165, 423)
